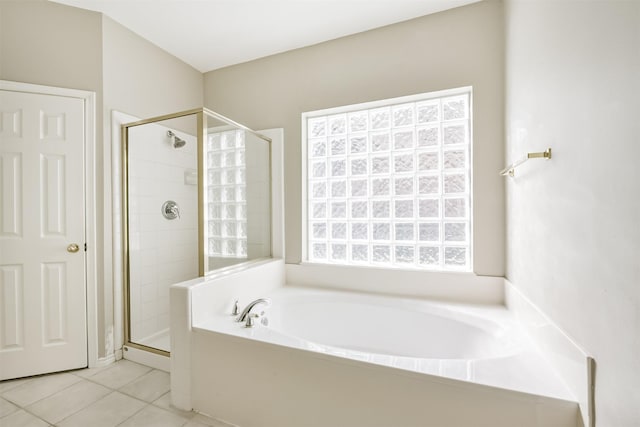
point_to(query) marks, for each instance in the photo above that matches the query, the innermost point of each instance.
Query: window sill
(465, 287)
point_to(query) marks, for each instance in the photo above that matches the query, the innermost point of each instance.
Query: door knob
(73, 248)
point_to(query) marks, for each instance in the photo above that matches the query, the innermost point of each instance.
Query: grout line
(30, 413)
(45, 397)
(85, 407)
(125, 384)
(10, 413)
(132, 415)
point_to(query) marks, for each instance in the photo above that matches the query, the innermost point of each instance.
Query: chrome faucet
(250, 306)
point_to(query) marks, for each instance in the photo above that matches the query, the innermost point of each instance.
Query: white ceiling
(211, 34)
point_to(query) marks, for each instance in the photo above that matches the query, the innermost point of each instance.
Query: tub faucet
(250, 306)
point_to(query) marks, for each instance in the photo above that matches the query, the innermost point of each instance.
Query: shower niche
(196, 198)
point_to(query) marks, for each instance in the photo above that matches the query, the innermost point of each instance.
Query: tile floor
(122, 394)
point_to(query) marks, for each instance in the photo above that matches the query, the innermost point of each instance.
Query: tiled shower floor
(122, 394)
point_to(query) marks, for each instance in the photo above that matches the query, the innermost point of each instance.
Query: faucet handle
(235, 312)
(251, 318)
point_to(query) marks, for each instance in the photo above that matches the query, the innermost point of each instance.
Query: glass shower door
(162, 213)
(196, 198)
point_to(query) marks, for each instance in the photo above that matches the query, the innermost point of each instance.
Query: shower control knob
(170, 210)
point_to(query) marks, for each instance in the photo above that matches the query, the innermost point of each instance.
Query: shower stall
(195, 198)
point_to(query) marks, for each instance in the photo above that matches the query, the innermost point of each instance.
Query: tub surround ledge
(574, 365)
(436, 285)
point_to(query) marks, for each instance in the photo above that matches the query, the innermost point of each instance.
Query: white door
(42, 245)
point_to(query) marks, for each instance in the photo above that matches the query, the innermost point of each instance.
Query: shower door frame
(201, 133)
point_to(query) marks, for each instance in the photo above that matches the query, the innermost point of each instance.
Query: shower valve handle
(175, 210)
(170, 210)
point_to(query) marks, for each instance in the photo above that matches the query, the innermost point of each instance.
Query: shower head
(176, 141)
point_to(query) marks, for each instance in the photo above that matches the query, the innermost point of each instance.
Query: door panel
(11, 167)
(12, 287)
(42, 284)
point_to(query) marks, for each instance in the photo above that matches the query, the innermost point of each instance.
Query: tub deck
(520, 367)
(283, 377)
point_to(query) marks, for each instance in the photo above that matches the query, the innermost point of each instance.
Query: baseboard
(570, 361)
(104, 361)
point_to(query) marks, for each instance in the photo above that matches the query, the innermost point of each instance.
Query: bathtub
(335, 358)
(387, 330)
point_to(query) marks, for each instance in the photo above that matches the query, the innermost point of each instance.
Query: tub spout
(249, 307)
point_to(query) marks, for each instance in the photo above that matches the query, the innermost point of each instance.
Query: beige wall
(143, 80)
(573, 83)
(55, 45)
(50, 44)
(459, 47)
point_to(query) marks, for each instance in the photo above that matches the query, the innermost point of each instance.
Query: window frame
(390, 102)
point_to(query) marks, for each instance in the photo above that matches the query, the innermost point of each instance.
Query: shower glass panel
(237, 198)
(196, 198)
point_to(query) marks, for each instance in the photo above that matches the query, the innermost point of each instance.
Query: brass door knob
(73, 248)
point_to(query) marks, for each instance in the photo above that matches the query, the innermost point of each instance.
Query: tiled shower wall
(162, 252)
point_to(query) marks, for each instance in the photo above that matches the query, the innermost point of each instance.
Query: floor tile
(164, 402)
(194, 423)
(89, 372)
(6, 407)
(200, 420)
(119, 374)
(68, 401)
(148, 387)
(22, 418)
(109, 411)
(39, 388)
(9, 384)
(152, 416)
(122, 394)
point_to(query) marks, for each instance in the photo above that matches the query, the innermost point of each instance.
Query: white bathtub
(332, 358)
(480, 344)
(373, 326)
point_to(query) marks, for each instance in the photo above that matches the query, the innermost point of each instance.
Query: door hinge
(85, 247)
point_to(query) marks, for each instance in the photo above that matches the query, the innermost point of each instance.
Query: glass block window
(226, 195)
(388, 183)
